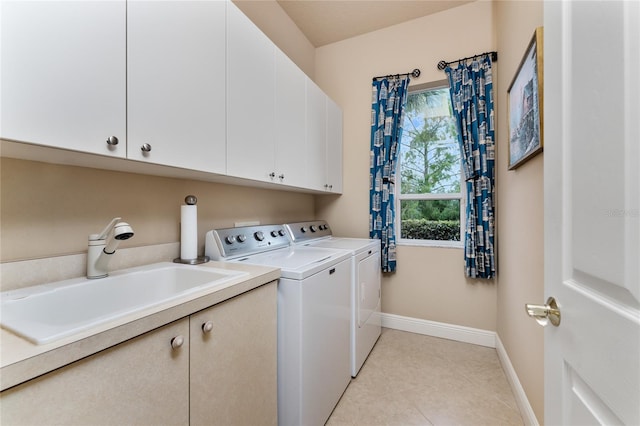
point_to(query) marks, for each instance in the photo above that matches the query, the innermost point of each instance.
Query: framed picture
(524, 105)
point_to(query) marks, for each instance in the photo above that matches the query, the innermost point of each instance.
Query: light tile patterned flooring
(412, 379)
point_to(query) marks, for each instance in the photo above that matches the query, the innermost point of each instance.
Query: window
(429, 201)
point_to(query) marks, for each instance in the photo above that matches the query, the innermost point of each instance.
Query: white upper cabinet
(334, 147)
(316, 137)
(63, 74)
(290, 165)
(251, 100)
(324, 141)
(193, 85)
(176, 83)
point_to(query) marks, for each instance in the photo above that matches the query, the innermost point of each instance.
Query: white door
(592, 230)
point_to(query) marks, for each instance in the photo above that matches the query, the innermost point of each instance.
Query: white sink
(49, 312)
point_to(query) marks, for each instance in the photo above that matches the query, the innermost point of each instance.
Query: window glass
(429, 197)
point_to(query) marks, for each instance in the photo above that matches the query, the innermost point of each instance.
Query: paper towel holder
(192, 200)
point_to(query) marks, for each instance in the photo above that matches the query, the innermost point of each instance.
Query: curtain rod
(415, 73)
(443, 64)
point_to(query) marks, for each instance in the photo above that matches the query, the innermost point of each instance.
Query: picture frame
(525, 105)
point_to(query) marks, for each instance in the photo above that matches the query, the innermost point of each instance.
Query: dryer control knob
(259, 236)
(274, 233)
(230, 239)
(313, 228)
(281, 232)
(241, 238)
(303, 229)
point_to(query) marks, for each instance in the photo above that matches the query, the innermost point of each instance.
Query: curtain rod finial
(415, 73)
(442, 65)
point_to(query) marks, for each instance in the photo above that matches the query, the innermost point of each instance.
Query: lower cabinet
(141, 381)
(234, 361)
(218, 366)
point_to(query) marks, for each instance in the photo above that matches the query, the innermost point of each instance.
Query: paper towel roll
(188, 232)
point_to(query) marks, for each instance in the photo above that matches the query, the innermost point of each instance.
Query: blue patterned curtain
(471, 89)
(388, 100)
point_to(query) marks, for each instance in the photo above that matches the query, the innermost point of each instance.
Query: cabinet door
(290, 141)
(142, 381)
(316, 137)
(250, 101)
(63, 74)
(176, 83)
(334, 147)
(234, 361)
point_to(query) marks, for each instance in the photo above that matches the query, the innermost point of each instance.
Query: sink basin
(49, 312)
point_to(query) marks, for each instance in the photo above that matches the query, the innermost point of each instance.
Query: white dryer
(365, 282)
(314, 314)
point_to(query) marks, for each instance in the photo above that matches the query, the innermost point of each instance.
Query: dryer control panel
(230, 243)
(307, 231)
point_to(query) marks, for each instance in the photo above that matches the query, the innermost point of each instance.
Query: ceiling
(328, 21)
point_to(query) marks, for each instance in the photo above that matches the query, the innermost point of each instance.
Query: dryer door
(368, 297)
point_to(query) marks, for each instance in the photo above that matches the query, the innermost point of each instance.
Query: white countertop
(21, 360)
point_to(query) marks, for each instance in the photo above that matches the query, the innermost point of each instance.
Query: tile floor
(412, 379)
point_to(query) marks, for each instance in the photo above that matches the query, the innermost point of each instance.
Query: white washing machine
(365, 282)
(314, 312)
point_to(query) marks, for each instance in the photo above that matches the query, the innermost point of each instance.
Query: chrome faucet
(103, 245)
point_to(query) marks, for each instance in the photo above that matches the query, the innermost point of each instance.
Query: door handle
(545, 314)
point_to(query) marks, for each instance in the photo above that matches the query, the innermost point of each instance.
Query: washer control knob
(281, 232)
(259, 236)
(313, 228)
(241, 238)
(230, 239)
(303, 229)
(274, 233)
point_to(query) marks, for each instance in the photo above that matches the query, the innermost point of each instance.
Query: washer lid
(354, 245)
(298, 262)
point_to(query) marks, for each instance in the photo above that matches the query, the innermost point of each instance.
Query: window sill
(431, 243)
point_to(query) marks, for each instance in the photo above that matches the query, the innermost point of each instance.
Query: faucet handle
(105, 231)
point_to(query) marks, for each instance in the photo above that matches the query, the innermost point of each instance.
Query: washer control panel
(306, 231)
(241, 241)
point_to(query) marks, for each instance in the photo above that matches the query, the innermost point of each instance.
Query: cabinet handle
(112, 141)
(177, 341)
(146, 147)
(272, 175)
(207, 327)
(330, 187)
(281, 176)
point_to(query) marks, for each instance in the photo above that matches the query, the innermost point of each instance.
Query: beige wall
(520, 215)
(49, 210)
(430, 282)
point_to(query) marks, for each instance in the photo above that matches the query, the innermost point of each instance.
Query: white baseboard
(459, 333)
(526, 411)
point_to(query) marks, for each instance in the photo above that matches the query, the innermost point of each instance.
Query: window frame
(399, 197)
